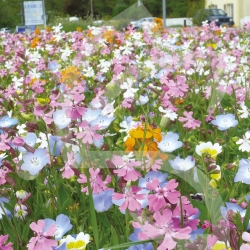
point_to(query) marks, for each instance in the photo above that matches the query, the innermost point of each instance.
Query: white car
(144, 21)
(4, 30)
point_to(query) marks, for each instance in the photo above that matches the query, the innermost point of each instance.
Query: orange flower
(79, 29)
(71, 74)
(178, 101)
(37, 31)
(35, 42)
(48, 29)
(136, 142)
(129, 144)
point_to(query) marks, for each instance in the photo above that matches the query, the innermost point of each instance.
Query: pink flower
(152, 163)
(4, 238)
(179, 88)
(96, 182)
(4, 143)
(163, 226)
(162, 194)
(3, 172)
(42, 239)
(127, 170)
(245, 237)
(73, 110)
(67, 170)
(190, 215)
(88, 135)
(130, 199)
(190, 121)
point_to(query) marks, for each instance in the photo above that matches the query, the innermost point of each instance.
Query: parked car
(217, 15)
(144, 21)
(5, 30)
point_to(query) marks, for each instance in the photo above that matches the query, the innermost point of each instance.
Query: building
(237, 9)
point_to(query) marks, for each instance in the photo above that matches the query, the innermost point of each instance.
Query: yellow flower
(207, 147)
(220, 245)
(212, 45)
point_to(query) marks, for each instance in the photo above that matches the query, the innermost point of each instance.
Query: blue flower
(34, 162)
(62, 225)
(234, 207)
(91, 114)
(6, 122)
(3, 210)
(61, 119)
(224, 122)
(169, 142)
(102, 121)
(53, 65)
(103, 200)
(134, 237)
(29, 139)
(55, 145)
(243, 173)
(195, 233)
(153, 175)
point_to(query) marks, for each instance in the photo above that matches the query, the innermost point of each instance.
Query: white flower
(89, 72)
(182, 164)
(66, 53)
(34, 74)
(57, 28)
(17, 82)
(35, 56)
(130, 92)
(168, 113)
(104, 65)
(79, 242)
(21, 129)
(109, 109)
(20, 211)
(244, 112)
(208, 147)
(245, 142)
(169, 142)
(43, 140)
(8, 64)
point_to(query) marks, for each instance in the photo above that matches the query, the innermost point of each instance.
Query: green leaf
(246, 219)
(8, 229)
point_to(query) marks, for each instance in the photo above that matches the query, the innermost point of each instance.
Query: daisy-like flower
(245, 142)
(130, 92)
(182, 164)
(79, 242)
(209, 148)
(224, 122)
(170, 142)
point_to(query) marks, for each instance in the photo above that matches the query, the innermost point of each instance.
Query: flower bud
(21, 194)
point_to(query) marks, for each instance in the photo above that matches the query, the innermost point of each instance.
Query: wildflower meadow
(133, 139)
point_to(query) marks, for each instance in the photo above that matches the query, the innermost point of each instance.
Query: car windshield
(215, 12)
